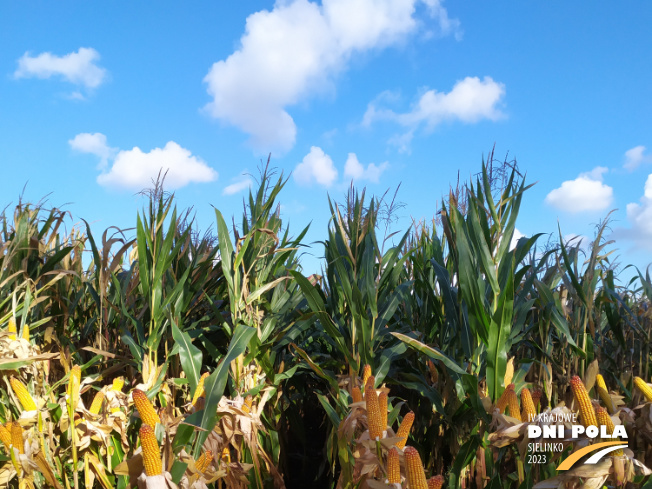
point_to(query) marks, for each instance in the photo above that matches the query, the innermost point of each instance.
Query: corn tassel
(22, 394)
(601, 387)
(151, 451)
(414, 469)
(436, 482)
(204, 461)
(382, 406)
(366, 373)
(145, 408)
(587, 413)
(404, 429)
(374, 419)
(527, 405)
(199, 391)
(512, 403)
(5, 436)
(605, 420)
(502, 401)
(118, 384)
(393, 467)
(356, 395)
(74, 384)
(96, 406)
(11, 329)
(246, 405)
(17, 437)
(645, 389)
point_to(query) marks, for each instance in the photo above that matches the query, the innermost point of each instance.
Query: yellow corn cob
(151, 451)
(118, 383)
(17, 436)
(502, 401)
(645, 389)
(374, 419)
(512, 402)
(22, 394)
(605, 420)
(393, 467)
(414, 469)
(601, 387)
(366, 373)
(96, 406)
(11, 329)
(536, 399)
(404, 429)
(26, 332)
(204, 461)
(587, 413)
(226, 455)
(5, 436)
(527, 405)
(436, 482)
(382, 406)
(246, 405)
(199, 391)
(145, 408)
(73, 385)
(356, 394)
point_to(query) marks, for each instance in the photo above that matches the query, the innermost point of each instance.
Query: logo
(555, 429)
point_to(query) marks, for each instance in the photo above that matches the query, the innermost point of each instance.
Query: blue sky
(94, 99)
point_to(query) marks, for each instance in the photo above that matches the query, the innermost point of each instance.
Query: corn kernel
(393, 467)
(382, 406)
(529, 411)
(22, 394)
(11, 329)
(414, 469)
(151, 451)
(5, 436)
(645, 389)
(404, 429)
(436, 482)
(605, 420)
(246, 405)
(587, 413)
(118, 383)
(502, 401)
(199, 391)
(145, 408)
(96, 406)
(601, 387)
(17, 437)
(366, 373)
(512, 403)
(204, 461)
(356, 395)
(373, 412)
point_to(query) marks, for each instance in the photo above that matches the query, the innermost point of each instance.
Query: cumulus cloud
(296, 50)
(93, 144)
(635, 157)
(470, 100)
(586, 193)
(640, 218)
(78, 67)
(356, 171)
(317, 167)
(242, 183)
(515, 237)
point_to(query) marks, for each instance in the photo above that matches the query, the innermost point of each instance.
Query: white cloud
(316, 166)
(470, 101)
(79, 67)
(635, 157)
(134, 169)
(586, 193)
(296, 50)
(356, 171)
(640, 218)
(242, 183)
(515, 237)
(94, 144)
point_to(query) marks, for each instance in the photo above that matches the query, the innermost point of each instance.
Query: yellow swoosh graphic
(575, 456)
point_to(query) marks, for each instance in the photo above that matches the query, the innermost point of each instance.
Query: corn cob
(73, 385)
(601, 387)
(382, 406)
(226, 455)
(96, 406)
(17, 437)
(436, 482)
(645, 389)
(199, 391)
(11, 329)
(502, 401)
(529, 411)
(204, 461)
(356, 395)
(536, 399)
(605, 420)
(22, 394)
(374, 419)
(5, 436)
(151, 451)
(404, 429)
(246, 405)
(118, 383)
(587, 413)
(366, 373)
(414, 469)
(145, 408)
(434, 375)
(512, 402)
(26, 332)
(393, 467)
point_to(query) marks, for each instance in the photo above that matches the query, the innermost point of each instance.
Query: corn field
(421, 359)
